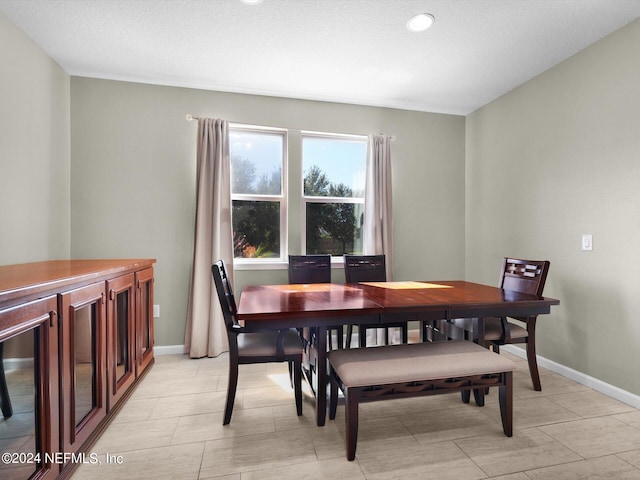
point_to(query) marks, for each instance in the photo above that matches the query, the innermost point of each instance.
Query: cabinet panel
(28, 388)
(144, 319)
(121, 340)
(83, 364)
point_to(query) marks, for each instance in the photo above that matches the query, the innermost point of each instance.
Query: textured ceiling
(354, 51)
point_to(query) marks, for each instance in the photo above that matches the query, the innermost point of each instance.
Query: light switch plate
(587, 242)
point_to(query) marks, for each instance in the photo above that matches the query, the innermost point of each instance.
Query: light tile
(124, 437)
(466, 420)
(528, 449)
(171, 427)
(630, 418)
(268, 396)
(334, 469)
(552, 384)
(531, 412)
(595, 437)
(256, 452)
(632, 457)
(158, 386)
(136, 410)
(442, 461)
(377, 434)
(197, 428)
(164, 463)
(590, 403)
(602, 468)
(187, 405)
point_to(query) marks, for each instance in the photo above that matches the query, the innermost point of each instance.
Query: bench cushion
(405, 363)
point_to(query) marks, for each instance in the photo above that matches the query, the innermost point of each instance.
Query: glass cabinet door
(144, 324)
(121, 341)
(28, 390)
(83, 360)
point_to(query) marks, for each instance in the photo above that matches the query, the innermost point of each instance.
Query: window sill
(277, 264)
(259, 265)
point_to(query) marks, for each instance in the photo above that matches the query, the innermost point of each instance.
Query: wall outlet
(156, 311)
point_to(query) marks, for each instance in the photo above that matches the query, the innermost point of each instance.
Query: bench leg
(351, 423)
(506, 404)
(478, 395)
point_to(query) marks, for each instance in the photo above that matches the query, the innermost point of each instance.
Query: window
(258, 186)
(334, 168)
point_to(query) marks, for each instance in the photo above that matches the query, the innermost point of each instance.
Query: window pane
(334, 228)
(333, 167)
(256, 162)
(256, 229)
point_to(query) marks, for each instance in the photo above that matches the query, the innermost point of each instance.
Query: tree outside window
(333, 193)
(257, 160)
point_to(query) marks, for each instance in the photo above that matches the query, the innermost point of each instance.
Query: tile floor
(171, 428)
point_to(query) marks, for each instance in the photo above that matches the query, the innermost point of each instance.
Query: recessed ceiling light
(251, 2)
(420, 22)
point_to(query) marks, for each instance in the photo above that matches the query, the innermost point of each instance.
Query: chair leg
(533, 364)
(426, 331)
(231, 390)
(333, 396)
(340, 335)
(466, 396)
(5, 400)
(297, 381)
(362, 335)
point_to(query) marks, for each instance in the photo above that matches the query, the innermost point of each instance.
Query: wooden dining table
(273, 307)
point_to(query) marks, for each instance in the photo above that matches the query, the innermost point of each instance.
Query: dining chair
(526, 276)
(310, 269)
(314, 269)
(369, 268)
(254, 347)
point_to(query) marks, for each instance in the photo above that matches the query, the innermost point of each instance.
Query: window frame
(282, 199)
(305, 199)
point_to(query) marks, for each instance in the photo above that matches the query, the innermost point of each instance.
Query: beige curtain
(377, 224)
(206, 334)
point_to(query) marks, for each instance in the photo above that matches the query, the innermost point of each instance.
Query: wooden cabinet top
(28, 281)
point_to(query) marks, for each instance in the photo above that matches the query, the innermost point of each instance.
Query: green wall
(133, 180)
(556, 158)
(34, 152)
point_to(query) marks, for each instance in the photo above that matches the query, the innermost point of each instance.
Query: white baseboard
(579, 377)
(169, 350)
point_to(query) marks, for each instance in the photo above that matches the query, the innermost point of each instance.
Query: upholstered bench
(408, 370)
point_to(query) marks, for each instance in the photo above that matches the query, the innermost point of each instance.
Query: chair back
(364, 268)
(309, 268)
(526, 276)
(225, 294)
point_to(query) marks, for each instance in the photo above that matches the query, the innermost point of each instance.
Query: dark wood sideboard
(76, 336)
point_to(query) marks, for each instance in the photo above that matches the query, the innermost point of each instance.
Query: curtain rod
(190, 117)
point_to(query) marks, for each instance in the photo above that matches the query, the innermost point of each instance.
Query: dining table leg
(321, 391)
